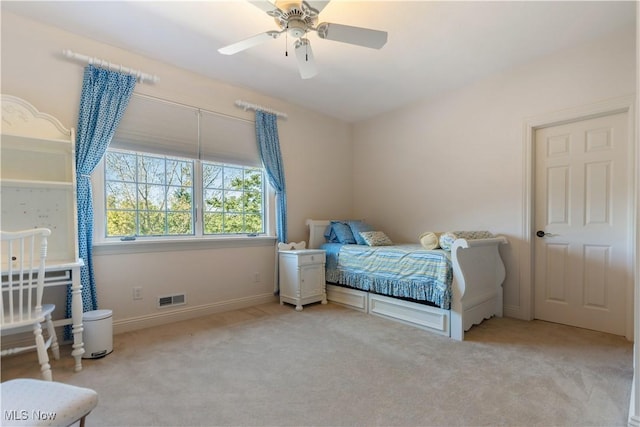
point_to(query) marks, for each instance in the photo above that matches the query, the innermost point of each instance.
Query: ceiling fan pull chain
(286, 42)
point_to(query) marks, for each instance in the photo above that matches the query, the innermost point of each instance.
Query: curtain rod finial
(248, 106)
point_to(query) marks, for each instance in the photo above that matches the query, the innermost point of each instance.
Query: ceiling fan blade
(366, 37)
(317, 5)
(306, 62)
(265, 5)
(250, 42)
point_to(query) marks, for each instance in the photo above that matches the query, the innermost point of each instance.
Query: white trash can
(97, 334)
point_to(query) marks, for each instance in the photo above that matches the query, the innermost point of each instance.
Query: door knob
(541, 233)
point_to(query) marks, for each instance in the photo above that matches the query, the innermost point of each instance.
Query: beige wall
(213, 278)
(468, 142)
(457, 162)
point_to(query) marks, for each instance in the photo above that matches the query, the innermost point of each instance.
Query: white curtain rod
(115, 67)
(248, 106)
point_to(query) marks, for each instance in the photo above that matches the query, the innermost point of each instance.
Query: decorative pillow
(330, 235)
(447, 239)
(430, 240)
(343, 232)
(356, 228)
(376, 238)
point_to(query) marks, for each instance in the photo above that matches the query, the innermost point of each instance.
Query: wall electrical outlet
(137, 292)
(256, 277)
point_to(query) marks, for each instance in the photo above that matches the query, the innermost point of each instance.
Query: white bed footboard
(478, 273)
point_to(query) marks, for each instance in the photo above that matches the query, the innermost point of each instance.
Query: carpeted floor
(330, 366)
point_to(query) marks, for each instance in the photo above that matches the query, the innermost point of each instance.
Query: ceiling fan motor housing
(296, 17)
(296, 28)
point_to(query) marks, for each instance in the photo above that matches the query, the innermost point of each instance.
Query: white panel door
(581, 217)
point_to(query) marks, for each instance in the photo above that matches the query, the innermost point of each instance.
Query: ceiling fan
(296, 19)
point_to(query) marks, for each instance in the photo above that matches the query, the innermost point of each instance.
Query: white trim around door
(617, 105)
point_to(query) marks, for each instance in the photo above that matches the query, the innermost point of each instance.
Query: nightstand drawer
(317, 258)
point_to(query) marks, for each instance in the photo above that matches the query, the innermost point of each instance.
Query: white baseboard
(161, 318)
(513, 311)
(185, 313)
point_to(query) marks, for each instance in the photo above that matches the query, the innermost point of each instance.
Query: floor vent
(171, 300)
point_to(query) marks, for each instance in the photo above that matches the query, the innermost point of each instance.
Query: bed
(443, 291)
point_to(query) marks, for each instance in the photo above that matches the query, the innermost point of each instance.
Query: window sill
(173, 245)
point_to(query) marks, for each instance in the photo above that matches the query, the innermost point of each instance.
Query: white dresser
(302, 277)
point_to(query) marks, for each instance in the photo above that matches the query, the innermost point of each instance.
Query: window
(233, 199)
(149, 195)
(179, 172)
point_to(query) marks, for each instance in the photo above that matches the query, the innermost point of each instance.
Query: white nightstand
(302, 277)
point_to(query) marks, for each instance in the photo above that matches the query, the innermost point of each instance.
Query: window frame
(198, 239)
(223, 188)
(137, 182)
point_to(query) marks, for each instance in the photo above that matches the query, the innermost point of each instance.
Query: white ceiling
(432, 46)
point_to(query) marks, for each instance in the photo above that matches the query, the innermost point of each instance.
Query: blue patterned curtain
(105, 95)
(269, 146)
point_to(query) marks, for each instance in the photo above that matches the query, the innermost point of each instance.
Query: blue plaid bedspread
(406, 271)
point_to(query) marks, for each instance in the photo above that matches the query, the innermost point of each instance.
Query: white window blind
(160, 127)
(228, 140)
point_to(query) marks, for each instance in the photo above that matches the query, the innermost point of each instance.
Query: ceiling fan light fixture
(296, 28)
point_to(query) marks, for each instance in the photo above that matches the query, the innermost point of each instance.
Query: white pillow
(430, 240)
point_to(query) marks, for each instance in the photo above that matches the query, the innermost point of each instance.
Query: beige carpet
(330, 366)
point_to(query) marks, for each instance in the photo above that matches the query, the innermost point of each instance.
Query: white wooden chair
(30, 402)
(23, 265)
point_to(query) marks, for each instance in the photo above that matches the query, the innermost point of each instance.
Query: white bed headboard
(316, 232)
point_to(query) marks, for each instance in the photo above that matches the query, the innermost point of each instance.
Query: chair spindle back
(24, 256)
